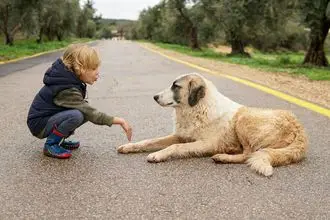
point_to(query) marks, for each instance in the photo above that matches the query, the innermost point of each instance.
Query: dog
(208, 123)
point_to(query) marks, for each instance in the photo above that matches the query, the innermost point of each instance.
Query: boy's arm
(72, 98)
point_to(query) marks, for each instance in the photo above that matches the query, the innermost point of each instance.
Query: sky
(126, 9)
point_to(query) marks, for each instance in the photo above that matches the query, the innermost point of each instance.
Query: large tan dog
(208, 123)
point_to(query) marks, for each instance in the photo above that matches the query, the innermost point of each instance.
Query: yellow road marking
(297, 101)
(34, 55)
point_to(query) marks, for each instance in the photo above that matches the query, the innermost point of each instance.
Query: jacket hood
(58, 74)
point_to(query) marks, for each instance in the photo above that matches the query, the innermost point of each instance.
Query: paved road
(98, 183)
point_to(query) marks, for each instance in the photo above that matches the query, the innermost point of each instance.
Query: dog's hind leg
(196, 149)
(264, 159)
(149, 145)
(230, 158)
(234, 158)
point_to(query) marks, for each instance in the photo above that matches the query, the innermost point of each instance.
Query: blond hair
(79, 58)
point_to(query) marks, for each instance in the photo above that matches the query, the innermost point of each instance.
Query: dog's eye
(175, 86)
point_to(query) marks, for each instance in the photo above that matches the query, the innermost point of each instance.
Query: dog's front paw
(220, 158)
(156, 157)
(126, 148)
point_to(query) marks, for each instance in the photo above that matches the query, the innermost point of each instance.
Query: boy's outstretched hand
(127, 128)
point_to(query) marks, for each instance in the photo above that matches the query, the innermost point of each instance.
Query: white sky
(127, 9)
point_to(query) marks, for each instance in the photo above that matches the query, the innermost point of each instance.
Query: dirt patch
(299, 86)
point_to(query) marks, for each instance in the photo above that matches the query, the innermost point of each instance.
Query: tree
(232, 17)
(13, 13)
(41, 11)
(187, 17)
(259, 23)
(170, 21)
(145, 25)
(86, 23)
(91, 29)
(262, 24)
(106, 32)
(272, 25)
(316, 14)
(56, 18)
(150, 22)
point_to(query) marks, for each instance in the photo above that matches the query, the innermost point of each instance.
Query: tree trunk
(40, 39)
(9, 39)
(237, 45)
(9, 35)
(59, 36)
(41, 25)
(194, 38)
(50, 34)
(315, 54)
(193, 35)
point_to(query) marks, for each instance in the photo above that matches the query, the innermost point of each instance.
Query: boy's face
(90, 76)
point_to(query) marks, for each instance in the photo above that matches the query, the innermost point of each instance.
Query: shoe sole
(62, 156)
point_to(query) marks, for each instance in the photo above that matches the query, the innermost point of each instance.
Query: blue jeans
(66, 122)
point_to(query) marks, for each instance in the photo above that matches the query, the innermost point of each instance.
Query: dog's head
(185, 90)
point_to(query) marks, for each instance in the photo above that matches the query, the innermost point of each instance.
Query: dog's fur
(208, 123)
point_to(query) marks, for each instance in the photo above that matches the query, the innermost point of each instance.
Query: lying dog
(208, 123)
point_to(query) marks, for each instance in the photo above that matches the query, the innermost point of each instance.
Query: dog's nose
(156, 97)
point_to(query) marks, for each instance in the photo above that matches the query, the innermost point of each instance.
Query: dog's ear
(196, 92)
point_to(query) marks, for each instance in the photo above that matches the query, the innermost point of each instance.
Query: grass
(23, 48)
(289, 62)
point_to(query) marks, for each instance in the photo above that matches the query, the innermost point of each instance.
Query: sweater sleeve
(73, 99)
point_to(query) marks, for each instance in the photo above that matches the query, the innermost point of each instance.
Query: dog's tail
(264, 159)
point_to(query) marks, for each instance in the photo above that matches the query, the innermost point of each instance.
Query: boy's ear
(78, 71)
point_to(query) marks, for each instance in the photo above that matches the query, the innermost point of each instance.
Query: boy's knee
(77, 117)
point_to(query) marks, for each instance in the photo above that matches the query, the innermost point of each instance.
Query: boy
(60, 106)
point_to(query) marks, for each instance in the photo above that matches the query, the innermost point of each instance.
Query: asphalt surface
(99, 183)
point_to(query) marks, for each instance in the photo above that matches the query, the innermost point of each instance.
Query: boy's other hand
(127, 128)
